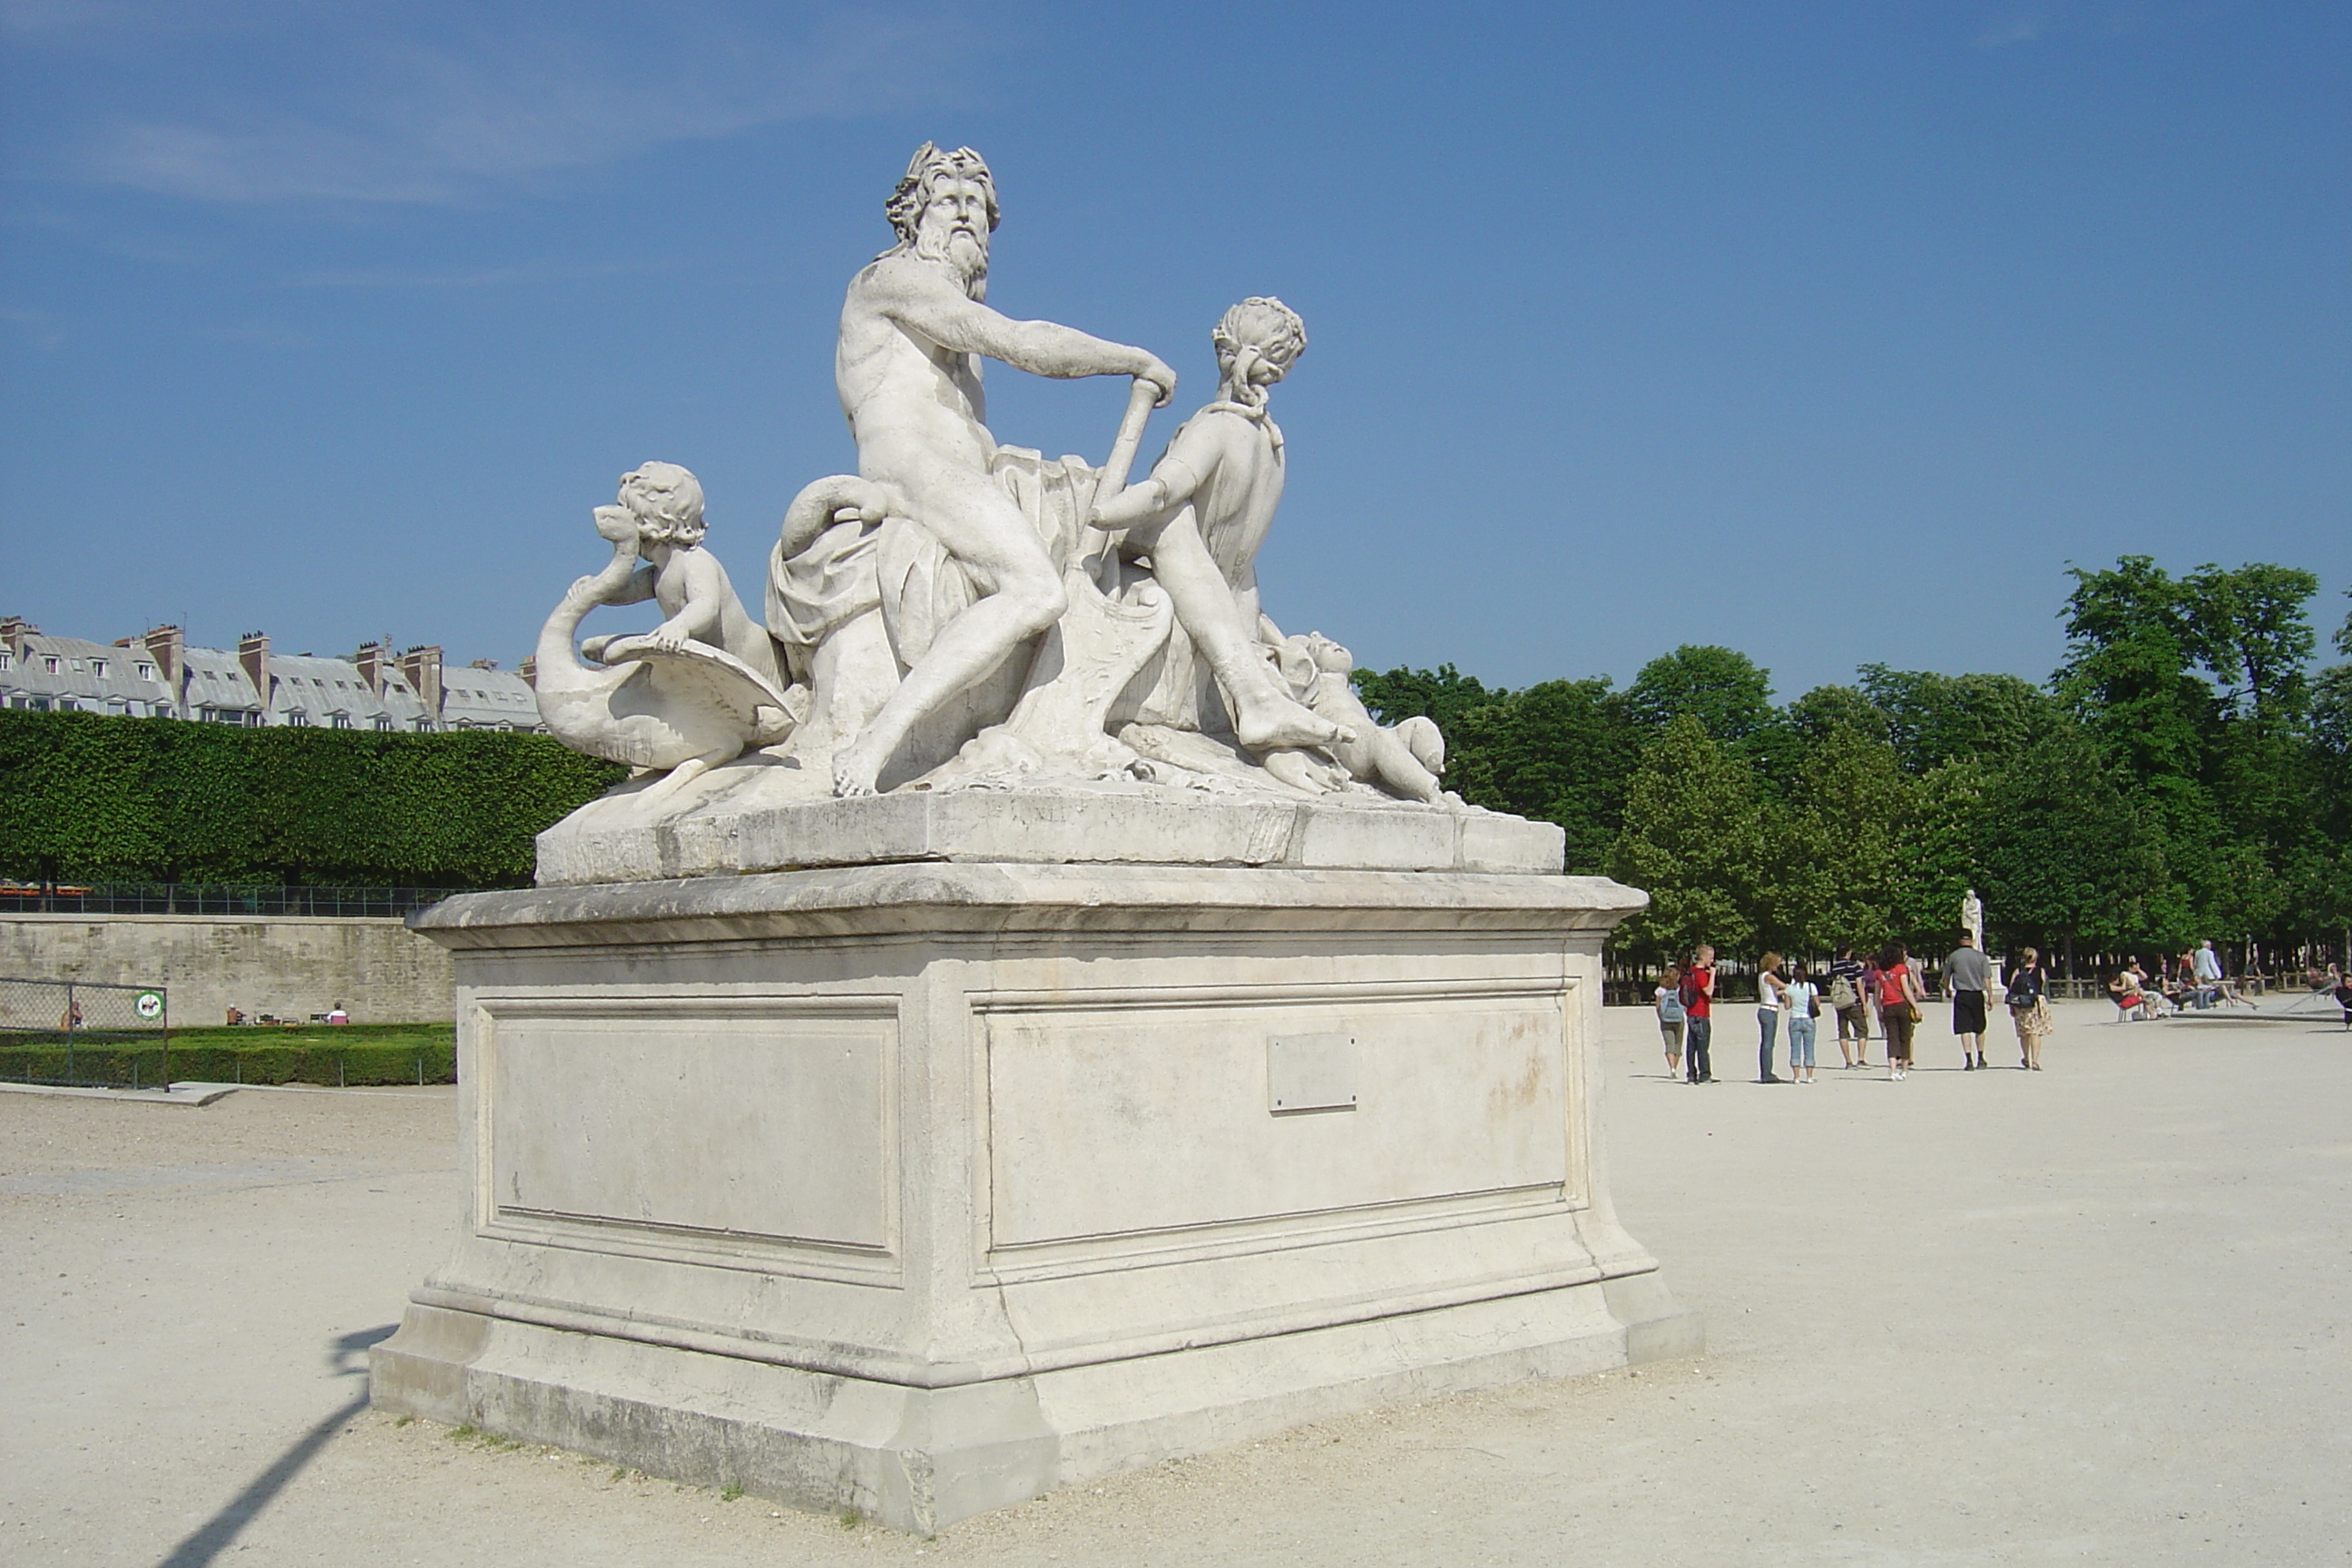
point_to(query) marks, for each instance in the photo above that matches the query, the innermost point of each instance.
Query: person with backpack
(1671, 1017)
(1848, 1001)
(1697, 996)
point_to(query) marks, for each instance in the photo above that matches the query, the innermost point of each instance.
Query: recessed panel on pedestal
(743, 1122)
(1116, 1113)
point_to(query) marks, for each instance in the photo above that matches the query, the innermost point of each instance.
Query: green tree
(2127, 675)
(1694, 839)
(1725, 690)
(2251, 632)
(1557, 752)
(1825, 709)
(2065, 851)
(1832, 845)
(1935, 719)
(1444, 694)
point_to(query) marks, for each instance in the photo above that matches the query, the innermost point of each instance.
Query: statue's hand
(1155, 371)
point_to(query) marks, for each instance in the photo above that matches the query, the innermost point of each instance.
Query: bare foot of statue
(856, 770)
(1274, 723)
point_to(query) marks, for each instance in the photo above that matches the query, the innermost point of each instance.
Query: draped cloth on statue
(902, 569)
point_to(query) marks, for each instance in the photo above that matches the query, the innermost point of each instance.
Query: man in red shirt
(1698, 1013)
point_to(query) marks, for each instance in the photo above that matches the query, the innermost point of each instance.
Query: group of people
(1790, 1000)
(2194, 979)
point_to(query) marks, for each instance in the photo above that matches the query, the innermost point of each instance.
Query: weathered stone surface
(918, 1189)
(751, 829)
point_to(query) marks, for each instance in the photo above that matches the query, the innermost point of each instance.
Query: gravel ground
(2094, 1314)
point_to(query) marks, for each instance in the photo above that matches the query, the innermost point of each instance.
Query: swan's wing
(704, 676)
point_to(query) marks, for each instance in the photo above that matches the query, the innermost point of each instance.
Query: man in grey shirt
(1967, 976)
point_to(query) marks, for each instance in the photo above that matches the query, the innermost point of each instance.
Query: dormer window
(97, 667)
(49, 666)
(146, 671)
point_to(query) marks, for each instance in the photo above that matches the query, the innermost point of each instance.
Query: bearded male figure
(913, 332)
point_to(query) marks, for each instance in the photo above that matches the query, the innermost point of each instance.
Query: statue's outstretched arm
(926, 304)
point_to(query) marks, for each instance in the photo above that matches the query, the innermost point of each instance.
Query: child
(1205, 511)
(665, 502)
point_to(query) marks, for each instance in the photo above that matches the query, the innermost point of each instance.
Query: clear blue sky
(1830, 332)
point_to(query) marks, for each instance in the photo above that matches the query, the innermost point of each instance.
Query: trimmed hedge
(86, 796)
(354, 1055)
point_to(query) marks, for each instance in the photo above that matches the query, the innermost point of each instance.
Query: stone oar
(1140, 397)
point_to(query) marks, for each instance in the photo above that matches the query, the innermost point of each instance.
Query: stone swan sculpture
(677, 707)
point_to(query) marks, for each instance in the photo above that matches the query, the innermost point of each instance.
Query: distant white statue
(1972, 918)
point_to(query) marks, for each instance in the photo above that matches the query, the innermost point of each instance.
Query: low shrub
(353, 1055)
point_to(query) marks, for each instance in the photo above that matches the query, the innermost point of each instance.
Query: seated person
(1204, 511)
(2131, 1001)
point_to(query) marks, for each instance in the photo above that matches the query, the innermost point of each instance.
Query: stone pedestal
(918, 1189)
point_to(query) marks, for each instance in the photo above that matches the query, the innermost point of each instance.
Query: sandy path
(2092, 1315)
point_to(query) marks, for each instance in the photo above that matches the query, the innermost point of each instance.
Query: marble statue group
(1024, 1017)
(959, 614)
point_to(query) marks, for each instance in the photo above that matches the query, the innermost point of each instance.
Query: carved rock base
(917, 1191)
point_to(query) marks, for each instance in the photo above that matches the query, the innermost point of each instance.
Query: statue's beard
(965, 255)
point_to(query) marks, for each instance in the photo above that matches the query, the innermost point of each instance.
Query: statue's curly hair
(667, 501)
(1267, 325)
(924, 169)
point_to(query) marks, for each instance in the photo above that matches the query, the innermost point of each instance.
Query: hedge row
(87, 796)
(144, 1066)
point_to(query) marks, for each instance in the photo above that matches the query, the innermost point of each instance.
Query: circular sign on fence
(149, 1005)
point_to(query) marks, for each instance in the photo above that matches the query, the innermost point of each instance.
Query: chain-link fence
(94, 1036)
(214, 899)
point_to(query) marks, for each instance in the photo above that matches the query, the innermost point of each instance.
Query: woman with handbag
(2029, 1005)
(1899, 995)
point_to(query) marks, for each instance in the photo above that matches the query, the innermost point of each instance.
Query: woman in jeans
(1804, 1008)
(1899, 995)
(1772, 1001)
(1670, 1017)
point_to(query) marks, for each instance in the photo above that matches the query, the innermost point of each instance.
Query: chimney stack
(15, 629)
(253, 655)
(372, 658)
(168, 647)
(529, 671)
(421, 667)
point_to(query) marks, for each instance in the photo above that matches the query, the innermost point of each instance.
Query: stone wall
(286, 965)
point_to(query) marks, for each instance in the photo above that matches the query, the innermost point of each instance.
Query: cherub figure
(1404, 761)
(1206, 509)
(662, 503)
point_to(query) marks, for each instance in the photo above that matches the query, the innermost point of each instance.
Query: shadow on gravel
(348, 1355)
